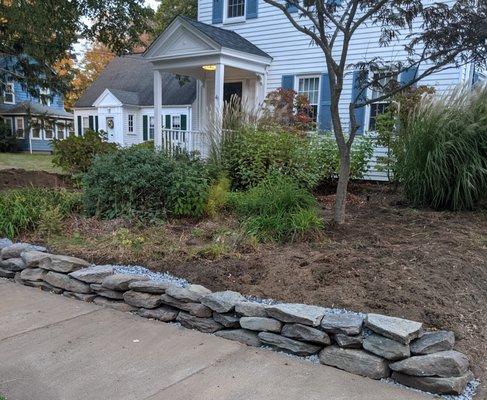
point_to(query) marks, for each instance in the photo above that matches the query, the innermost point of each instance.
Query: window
(176, 122)
(383, 79)
(9, 122)
(310, 87)
(86, 124)
(9, 93)
(151, 128)
(235, 9)
(20, 128)
(45, 96)
(36, 130)
(60, 131)
(48, 131)
(131, 123)
(70, 129)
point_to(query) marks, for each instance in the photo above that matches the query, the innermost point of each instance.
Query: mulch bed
(15, 178)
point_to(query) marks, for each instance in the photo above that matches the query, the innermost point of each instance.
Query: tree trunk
(341, 193)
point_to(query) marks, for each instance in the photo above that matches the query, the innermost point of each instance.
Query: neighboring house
(34, 121)
(121, 102)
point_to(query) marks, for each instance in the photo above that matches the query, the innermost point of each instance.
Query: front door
(231, 89)
(110, 123)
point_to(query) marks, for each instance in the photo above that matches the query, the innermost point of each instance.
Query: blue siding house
(34, 121)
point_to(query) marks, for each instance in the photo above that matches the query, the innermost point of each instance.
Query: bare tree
(451, 35)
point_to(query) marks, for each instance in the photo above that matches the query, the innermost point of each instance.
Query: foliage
(277, 209)
(217, 196)
(135, 182)
(26, 209)
(149, 145)
(8, 141)
(170, 9)
(75, 153)
(445, 151)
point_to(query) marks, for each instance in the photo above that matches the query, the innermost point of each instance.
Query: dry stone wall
(371, 345)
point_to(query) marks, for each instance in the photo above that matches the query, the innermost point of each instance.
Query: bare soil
(15, 178)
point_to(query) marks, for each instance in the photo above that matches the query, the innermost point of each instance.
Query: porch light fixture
(209, 67)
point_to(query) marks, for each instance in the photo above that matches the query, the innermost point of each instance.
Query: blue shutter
(252, 8)
(408, 76)
(80, 128)
(359, 96)
(96, 123)
(92, 126)
(291, 8)
(324, 113)
(168, 122)
(287, 82)
(217, 11)
(184, 122)
(145, 128)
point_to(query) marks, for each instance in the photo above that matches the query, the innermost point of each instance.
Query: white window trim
(368, 110)
(11, 123)
(307, 76)
(232, 20)
(131, 131)
(12, 86)
(17, 127)
(83, 127)
(41, 133)
(45, 92)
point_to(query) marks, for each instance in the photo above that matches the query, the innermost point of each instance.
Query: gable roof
(131, 80)
(226, 38)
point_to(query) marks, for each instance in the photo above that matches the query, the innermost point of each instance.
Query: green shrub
(217, 196)
(75, 153)
(137, 182)
(277, 209)
(28, 208)
(145, 145)
(445, 152)
(8, 141)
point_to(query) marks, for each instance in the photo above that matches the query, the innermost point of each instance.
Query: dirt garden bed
(15, 178)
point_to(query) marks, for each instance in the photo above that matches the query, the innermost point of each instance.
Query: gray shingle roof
(131, 80)
(226, 38)
(34, 109)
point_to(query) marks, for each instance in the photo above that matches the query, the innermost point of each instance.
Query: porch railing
(176, 141)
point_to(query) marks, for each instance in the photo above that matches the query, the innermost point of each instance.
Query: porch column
(219, 82)
(157, 109)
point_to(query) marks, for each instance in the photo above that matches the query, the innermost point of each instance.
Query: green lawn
(30, 162)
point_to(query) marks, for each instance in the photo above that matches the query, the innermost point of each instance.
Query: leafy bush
(445, 151)
(149, 144)
(137, 182)
(75, 153)
(29, 208)
(8, 141)
(277, 209)
(217, 196)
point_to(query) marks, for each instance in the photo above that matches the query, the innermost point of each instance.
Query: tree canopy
(170, 9)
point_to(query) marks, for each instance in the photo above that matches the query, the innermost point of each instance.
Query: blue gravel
(153, 276)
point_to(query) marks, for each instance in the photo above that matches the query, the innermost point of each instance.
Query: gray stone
(5, 273)
(66, 282)
(5, 242)
(227, 320)
(195, 309)
(348, 324)
(288, 345)
(13, 264)
(207, 325)
(187, 295)
(251, 309)
(261, 324)
(306, 333)
(443, 364)
(453, 385)
(80, 296)
(222, 302)
(433, 342)
(241, 335)
(16, 249)
(142, 300)
(386, 348)
(115, 304)
(199, 289)
(64, 264)
(164, 313)
(101, 291)
(121, 282)
(150, 287)
(32, 258)
(355, 361)
(33, 274)
(402, 330)
(94, 274)
(45, 287)
(349, 342)
(297, 313)
(17, 278)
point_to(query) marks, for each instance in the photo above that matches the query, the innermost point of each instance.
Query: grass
(27, 161)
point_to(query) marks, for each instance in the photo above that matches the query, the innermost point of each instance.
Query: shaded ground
(418, 264)
(30, 162)
(14, 178)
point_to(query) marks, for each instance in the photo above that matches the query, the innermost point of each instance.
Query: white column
(157, 109)
(219, 81)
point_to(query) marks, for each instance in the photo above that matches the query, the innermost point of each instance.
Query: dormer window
(9, 94)
(234, 10)
(45, 96)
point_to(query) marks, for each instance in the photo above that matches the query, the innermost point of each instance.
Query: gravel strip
(153, 276)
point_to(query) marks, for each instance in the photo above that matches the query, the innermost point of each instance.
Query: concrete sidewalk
(54, 348)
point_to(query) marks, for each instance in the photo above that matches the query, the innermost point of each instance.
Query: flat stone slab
(13, 264)
(306, 333)
(187, 295)
(150, 286)
(443, 364)
(66, 282)
(80, 296)
(349, 324)
(33, 274)
(164, 313)
(195, 309)
(142, 300)
(251, 309)
(349, 342)
(244, 336)
(227, 320)
(64, 264)
(33, 258)
(121, 282)
(94, 274)
(5, 273)
(433, 342)
(297, 313)
(386, 348)
(115, 304)
(207, 325)
(5, 242)
(289, 345)
(222, 302)
(355, 361)
(453, 385)
(402, 330)
(261, 324)
(16, 249)
(111, 294)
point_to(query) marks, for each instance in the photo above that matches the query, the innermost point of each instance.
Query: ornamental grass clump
(445, 153)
